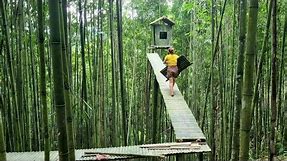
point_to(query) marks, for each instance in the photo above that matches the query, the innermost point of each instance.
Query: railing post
(179, 157)
(200, 156)
(147, 110)
(155, 110)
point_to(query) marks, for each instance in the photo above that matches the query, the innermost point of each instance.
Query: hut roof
(164, 19)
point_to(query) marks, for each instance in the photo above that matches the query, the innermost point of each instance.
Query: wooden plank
(31, 156)
(190, 136)
(122, 153)
(165, 145)
(183, 120)
(127, 153)
(186, 129)
(185, 123)
(178, 110)
(181, 114)
(136, 151)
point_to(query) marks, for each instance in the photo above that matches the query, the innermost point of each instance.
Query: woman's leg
(171, 83)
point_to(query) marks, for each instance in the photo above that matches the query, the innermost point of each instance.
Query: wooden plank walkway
(54, 156)
(118, 153)
(183, 121)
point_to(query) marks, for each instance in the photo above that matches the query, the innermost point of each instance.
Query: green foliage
(187, 6)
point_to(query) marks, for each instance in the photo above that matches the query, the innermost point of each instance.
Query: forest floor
(279, 158)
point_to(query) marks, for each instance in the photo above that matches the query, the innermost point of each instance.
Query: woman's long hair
(170, 50)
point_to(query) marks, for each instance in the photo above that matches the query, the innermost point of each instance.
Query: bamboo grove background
(102, 89)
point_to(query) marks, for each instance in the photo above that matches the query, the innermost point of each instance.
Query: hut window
(163, 35)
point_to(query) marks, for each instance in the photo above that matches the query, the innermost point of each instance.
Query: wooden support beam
(88, 154)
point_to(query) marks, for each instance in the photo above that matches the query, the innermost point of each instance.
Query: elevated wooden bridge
(183, 122)
(188, 135)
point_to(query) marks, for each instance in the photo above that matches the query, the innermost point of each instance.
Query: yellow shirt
(171, 59)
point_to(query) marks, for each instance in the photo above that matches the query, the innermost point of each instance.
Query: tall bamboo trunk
(272, 144)
(113, 113)
(239, 77)
(55, 37)
(90, 85)
(64, 40)
(2, 141)
(19, 78)
(212, 111)
(131, 106)
(232, 81)
(84, 75)
(35, 106)
(147, 93)
(121, 72)
(245, 121)
(101, 82)
(26, 75)
(94, 74)
(285, 105)
(43, 93)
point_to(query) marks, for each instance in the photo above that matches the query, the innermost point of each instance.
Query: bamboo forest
(81, 80)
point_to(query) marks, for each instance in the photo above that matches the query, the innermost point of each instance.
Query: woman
(172, 70)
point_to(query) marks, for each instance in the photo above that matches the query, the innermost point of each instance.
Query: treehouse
(161, 33)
